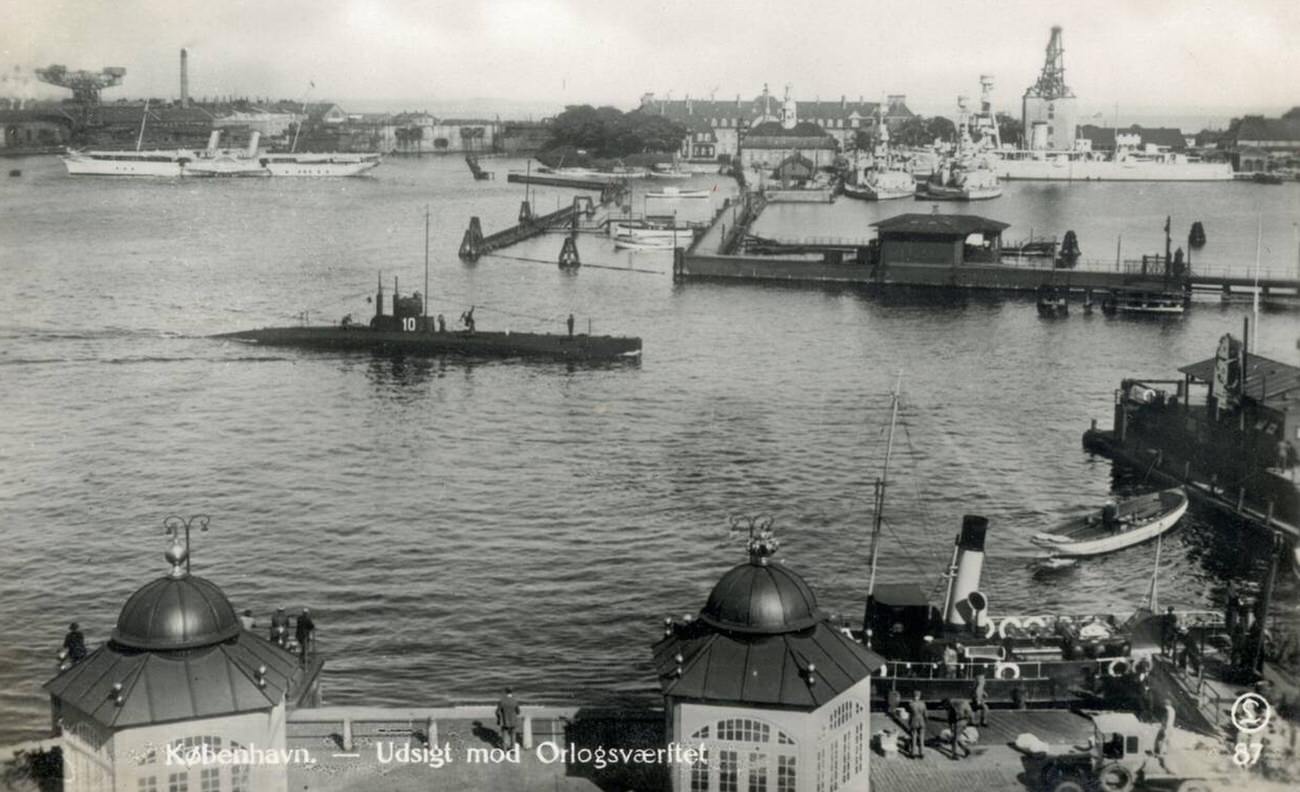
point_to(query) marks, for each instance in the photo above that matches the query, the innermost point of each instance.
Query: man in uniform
(980, 698)
(959, 717)
(916, 715)
(74, 644)
(508, 719)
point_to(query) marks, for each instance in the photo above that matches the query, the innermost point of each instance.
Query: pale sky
(1180, 55)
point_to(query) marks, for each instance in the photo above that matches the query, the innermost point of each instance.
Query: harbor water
(457, 526)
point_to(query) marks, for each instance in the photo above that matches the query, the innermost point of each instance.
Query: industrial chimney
(185, 78)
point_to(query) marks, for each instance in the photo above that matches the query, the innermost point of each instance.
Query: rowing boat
(1120, 524)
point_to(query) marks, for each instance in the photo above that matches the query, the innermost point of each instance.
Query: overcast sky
(1178, 55)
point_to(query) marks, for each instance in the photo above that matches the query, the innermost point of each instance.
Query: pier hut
(181, 696)
(945, 240)
(773, 694)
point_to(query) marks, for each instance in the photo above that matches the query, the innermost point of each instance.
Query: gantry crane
(85, 85)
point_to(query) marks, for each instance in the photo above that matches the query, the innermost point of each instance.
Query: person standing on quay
(304, 632)
(280, 627)
(508, 719)
(959, 717)
(980, 699)
(74, 644)
(916, 715)
(570, 325)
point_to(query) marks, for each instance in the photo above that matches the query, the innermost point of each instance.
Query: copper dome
(183, 612)
(759, 597)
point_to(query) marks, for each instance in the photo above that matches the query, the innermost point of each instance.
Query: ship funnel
(964, 575)
(253, 140)
(213, 139)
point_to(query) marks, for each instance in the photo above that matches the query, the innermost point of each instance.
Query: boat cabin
(944, 240)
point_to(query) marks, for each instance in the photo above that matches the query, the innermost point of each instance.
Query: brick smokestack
(185, 79)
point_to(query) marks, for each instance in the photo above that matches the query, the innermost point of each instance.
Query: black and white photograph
(660, 396)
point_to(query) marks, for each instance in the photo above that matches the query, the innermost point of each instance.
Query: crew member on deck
(247, 620)
(959, 717)
(467, 319)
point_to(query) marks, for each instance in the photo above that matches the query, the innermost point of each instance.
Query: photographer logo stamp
(1251, 713)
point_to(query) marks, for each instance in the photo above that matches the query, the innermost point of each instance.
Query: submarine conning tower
(964, 604)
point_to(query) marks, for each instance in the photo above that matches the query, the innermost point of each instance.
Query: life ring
(1035, 625)
(990, 629)
(1115, 777)
(1009, 623)
(1118, 667)
(1006, 671)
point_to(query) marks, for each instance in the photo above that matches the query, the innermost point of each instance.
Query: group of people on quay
(961, 714)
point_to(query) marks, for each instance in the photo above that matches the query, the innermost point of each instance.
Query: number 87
(1246, 754)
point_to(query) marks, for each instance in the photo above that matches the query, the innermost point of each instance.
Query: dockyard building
(731, 120)
(1257, 144)
(774, 695)
(30, 130)
(1151, 140)
(179, 683)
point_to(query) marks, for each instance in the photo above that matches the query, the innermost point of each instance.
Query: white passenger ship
(216, 162)
(1091, 166)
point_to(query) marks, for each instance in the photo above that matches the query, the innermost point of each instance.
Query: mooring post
(525, 213)
(347, 734)
(569, 258)
(431, 731)
(528, 732)
(471, 244)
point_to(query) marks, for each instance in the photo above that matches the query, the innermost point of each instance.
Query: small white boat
(670, 173)
(1120, 524)
(673, 193)
(642, 243)
(1142, 302)
(638, 229)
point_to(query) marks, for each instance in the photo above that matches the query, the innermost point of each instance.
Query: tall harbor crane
(86, 85)
(1047, 109)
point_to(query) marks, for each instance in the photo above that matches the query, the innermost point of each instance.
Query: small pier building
(773, 694)
(182, 697)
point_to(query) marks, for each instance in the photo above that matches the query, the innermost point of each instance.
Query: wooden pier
(725, 253)
(475, 243)
(561, 181)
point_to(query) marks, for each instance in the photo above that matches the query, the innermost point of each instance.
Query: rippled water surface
(462, 525)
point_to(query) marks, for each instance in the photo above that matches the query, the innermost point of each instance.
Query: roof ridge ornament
(178, 555)
(762, 543)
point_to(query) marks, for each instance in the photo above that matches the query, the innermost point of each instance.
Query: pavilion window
(728, 771)
(700, 773)
(786, 778)
(210, 779)
(848, 773)
(757, 772)
(147, 784)
(178, 782)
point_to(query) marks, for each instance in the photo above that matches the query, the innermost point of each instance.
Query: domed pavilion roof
(761, 641)
(171, 613)
(761, 597)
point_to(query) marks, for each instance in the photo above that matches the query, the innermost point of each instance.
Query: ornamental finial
(762, 543)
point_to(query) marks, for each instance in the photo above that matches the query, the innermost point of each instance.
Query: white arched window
(742, 755)
(842, 756)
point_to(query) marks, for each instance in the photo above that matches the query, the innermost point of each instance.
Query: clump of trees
(609, 133)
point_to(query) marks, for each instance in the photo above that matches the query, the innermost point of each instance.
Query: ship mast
(879, 518)
(426, 268)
